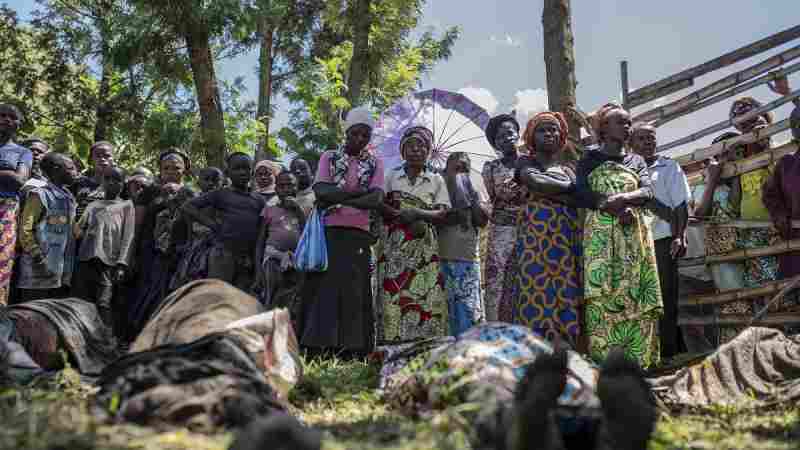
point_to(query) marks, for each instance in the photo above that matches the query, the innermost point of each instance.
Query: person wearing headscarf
(459, 244)
(410, 292)
(264, 175)
(545, 273)
(506, 195)
(621, 286)
(763, 269)
(158, 237)
(337, 311)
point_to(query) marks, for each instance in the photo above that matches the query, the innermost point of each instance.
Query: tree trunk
(212, 123)
(104, 111)
(559, 59)
(265, 64)
(359, 65)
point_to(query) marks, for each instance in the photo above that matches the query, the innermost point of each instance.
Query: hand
(615, 204)
(678, 247)
(407, 216)
(713, 171)
(289, 202)
(626, 217)
(780, 86)
(171, 188)
(391, 213)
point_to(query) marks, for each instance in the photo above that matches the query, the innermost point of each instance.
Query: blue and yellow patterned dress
(546, 282)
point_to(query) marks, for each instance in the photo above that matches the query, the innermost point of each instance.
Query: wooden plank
(704, 153)
(731, 122)
(740, 224)
(623, 77)
(741, 319)
(742, 254)
(736, 168)
(654, 90)
(736, 90)
(722, 297)
(718, 86)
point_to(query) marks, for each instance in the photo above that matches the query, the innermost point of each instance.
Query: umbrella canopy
(457, 124)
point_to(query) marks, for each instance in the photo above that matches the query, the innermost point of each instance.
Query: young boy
(278, 283)
(106, 230)
(48, 247)
(239, 212)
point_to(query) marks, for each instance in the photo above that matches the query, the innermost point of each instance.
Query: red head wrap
(547, 116)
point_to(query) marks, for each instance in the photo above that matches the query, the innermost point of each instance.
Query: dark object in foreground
(277, 432)
(535, 421)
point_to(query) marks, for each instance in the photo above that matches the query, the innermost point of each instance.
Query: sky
(498, 60)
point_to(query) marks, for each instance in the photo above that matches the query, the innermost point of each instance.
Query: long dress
(506, 195)
(622, 290)
(410, 288)
(156, 254)
(546, 283)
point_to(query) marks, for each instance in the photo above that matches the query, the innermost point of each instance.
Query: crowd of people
(584, 254)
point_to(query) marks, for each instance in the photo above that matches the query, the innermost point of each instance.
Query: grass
(340, 398)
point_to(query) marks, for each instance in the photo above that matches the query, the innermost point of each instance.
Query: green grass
(339, 398)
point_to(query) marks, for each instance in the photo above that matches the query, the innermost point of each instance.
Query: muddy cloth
(209, 383)
(193, 311)
(80, 332)
(760, 366)
(16, 366)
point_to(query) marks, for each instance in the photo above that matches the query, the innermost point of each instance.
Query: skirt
(336, 311)
(8, 244)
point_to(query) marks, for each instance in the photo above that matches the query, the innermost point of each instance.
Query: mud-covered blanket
(208, 383)
(761, 366)
(195, 310)
(80, 332)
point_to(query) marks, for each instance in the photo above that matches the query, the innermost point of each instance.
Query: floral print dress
(622, 289)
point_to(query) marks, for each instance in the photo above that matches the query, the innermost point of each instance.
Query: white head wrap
(359, 116)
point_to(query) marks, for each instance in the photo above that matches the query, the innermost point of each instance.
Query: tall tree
(199, 24)
(361, 20)
(559, 59)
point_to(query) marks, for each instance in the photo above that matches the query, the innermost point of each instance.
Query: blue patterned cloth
(462, 281)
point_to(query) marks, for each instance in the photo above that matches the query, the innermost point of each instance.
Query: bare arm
(17, 177)
(372, 200)
(331, 194)
(539, 182)
(480, 214)
(194, 214)
(262, 239)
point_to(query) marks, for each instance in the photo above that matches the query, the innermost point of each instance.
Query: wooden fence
(739, 82)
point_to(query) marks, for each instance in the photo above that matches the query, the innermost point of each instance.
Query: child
(196, 247)
(278, 283)
(48, 247)
(237, 229)
(106, 230)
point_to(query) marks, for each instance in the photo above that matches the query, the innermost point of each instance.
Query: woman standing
(264, 176)
(156, 247)
(622, 291)
(15, 168)
(410, 289)
(506, 196)
(337, 304)
(547, 279)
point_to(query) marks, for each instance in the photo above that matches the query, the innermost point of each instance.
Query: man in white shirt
(672, 193)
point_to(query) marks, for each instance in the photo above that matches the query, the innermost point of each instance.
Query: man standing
(89, 187)
(672, 194)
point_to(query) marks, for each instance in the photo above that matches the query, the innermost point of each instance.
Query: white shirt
(428, 186)
(671, 188)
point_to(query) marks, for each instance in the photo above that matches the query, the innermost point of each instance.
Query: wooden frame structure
(741, 81)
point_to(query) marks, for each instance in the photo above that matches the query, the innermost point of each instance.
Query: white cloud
(506, 40)
(481, 96)
(529, 102)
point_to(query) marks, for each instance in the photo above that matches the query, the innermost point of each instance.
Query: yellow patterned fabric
(623, 293)
(8, 244)
(547, 283)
